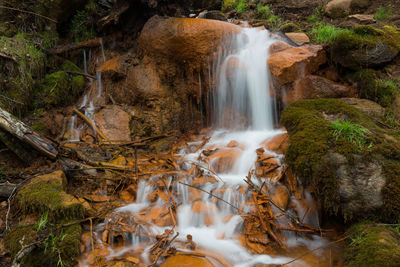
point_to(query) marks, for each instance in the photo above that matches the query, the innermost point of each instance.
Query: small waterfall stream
(216, 224)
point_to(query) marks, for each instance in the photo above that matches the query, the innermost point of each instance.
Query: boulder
(312, 86)
(277, 144)
(223, 159)
(368, 107)
(290, 64)
(114, 123)
(341, 8)
(363, 19)
(298, 37)
(213, 14)
(183, 40)
(278, 47)
(352, 176)
(280, 196)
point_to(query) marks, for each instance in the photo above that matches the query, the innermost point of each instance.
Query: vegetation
(384, 13)
(372, 245)
(82, 26)
(265, 13)
(354, 132)
(310, 124)
(326, 33)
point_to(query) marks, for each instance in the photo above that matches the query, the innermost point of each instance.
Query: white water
(217, 227)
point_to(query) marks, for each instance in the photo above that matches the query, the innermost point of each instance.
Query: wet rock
(213, 14)
(113, 67)
(202, 207)
(280, 196)
(233, 143)
(114, 123)
(186, 261)
(298, 37)
(277, 144)
(278, 46)
(312, 86)
(224, 159)
(290, 64)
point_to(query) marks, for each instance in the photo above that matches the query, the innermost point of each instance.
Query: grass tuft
(353, 132)
(325, 33)
(384, 12)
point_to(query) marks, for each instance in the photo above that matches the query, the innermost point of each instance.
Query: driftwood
(74, 46)
(21, 131)
(91, 124)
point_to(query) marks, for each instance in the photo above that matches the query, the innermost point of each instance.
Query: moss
(70, 66)
(55, 244)
(372, 245)
(18, 79)
(39, 127)
(312, 139)
(13, 237)
(375, 88)
(289, 27)
(45, 193)
(229, 5)
(77, 85)
(365, 46)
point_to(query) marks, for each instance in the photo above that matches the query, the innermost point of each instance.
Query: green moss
(372, 245)
(13, 237)
(77, 84)
(18, 79)
(55, 245)
(289, 27)
(70, 66)
(45, 193)
(309, 123)
(365, 46)
(325, 33)
(374, 88)
(229, 4)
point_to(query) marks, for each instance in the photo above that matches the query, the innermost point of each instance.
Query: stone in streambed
(186, 261)
(277, 144)
(223, 160)
(298, 37)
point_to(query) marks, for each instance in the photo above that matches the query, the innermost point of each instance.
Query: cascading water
(215, 221)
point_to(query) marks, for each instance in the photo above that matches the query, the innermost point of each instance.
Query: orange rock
(114, 123)
(288, 65)
(126, 196)
(278, 46)
(110, 65)
(311, 86)
(209, 220)
(233, 143)
(183, 40)
(277, 144)
(298, 37)
(224, 159)
(280, 196)
(186, 261)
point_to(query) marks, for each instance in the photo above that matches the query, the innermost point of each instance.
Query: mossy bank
(353, 179)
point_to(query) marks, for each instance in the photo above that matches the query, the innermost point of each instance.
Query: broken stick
(91, 124)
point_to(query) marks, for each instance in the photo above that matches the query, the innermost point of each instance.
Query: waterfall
(243, 82)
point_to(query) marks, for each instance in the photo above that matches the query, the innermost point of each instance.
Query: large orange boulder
(290, 64)
(277, 144)
(223, 159)
(311, 87)
(184, 40)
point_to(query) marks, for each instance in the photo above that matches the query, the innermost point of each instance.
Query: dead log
(17, 147)
(21, 131)
(74, 46)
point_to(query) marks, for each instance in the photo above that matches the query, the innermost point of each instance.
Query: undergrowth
(82, 25)
(265, 13)
(384, 13)
(353, 132)
(325, 33)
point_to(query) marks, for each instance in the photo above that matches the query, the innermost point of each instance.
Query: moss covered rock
(46, 193)
(19, 71)
(366, 46)
(372, 245)
(354, 176)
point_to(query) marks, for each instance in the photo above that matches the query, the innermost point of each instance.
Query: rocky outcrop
(356, 176)
(298, 37)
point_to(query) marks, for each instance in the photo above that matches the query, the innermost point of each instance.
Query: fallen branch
(18, 129)
(211, 194)
(90, 123)
(28, 12)
(2, 54)
(164, 248)
(82, 74)
(74, 46)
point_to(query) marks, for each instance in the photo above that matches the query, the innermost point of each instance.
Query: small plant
(325, 33)
(52, 246)
(353, 132)
(43, 221)
(265, 13)
(241, 6)
(384, 13)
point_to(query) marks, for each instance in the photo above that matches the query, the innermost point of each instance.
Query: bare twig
(91, 124)
(82, 74)
(2, 54)
(28, 12)
(163, 249)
